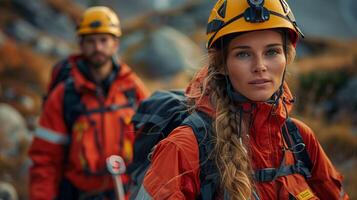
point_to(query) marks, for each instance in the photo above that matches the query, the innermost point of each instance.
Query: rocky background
(164, 43)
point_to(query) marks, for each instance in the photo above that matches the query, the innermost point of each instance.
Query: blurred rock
(193, 19)
(20, 61)
(41, 15)
(25, 32)
(165, 4)
(328, 19)
(14, 142)
(7, 191)
(23, 77)
(52, 47)
(22, 31)
(68, 7)
(44, 45)
(201, 12)
(185, 23)
(13, 132)
(21, 97)
(62, 49)
(164, 53)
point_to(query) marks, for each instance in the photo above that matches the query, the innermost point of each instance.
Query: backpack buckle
(265, 175)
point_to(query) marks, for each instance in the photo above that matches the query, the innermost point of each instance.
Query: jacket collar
(84, 81)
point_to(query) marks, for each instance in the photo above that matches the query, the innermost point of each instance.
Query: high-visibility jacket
(79, 154)
(175, 169)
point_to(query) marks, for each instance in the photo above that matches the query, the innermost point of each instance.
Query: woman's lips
(259, 81)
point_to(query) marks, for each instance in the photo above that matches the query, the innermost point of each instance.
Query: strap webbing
(295, 144)
(291, 133)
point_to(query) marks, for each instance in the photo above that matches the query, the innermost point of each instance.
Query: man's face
(98, 48)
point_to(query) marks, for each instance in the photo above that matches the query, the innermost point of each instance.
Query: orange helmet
(99, 19)
(236, 16)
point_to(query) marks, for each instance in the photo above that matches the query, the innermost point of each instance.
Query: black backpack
(158, 115)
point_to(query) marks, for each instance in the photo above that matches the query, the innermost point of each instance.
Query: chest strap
(302, 165)
(270, 174)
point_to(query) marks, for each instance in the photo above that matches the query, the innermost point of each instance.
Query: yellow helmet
(235, 16)
(99, 19)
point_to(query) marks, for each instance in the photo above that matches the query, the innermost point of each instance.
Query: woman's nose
(259, 65)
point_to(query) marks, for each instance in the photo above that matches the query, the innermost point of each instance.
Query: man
(86, 117)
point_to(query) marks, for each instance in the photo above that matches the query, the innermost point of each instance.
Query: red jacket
(174, 173)
(94, 137)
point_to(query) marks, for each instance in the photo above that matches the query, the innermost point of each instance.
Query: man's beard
(96, 62)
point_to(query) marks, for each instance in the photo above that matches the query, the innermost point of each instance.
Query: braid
(230, 155)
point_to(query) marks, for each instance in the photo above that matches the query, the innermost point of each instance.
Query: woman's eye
(242, 54)
(272, 52)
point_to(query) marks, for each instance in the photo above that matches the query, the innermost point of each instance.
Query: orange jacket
(94, 137)
(174, 173)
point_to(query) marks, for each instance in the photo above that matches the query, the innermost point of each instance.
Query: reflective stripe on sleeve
(143, 194)
(51, 136)
(342, 193)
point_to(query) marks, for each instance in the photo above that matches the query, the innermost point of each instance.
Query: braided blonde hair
(230, 155)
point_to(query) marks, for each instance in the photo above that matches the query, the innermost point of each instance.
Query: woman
(250, 42)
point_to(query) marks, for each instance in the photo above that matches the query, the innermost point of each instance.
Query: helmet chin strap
(280, 91)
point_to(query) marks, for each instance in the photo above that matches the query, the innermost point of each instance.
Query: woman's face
(256, 63)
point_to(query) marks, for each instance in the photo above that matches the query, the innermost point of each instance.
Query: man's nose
(98, 45)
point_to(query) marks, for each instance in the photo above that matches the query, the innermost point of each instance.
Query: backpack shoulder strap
(209, 178)
(72, 106)
(131, 96)
(295, 141)
(61, 71)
